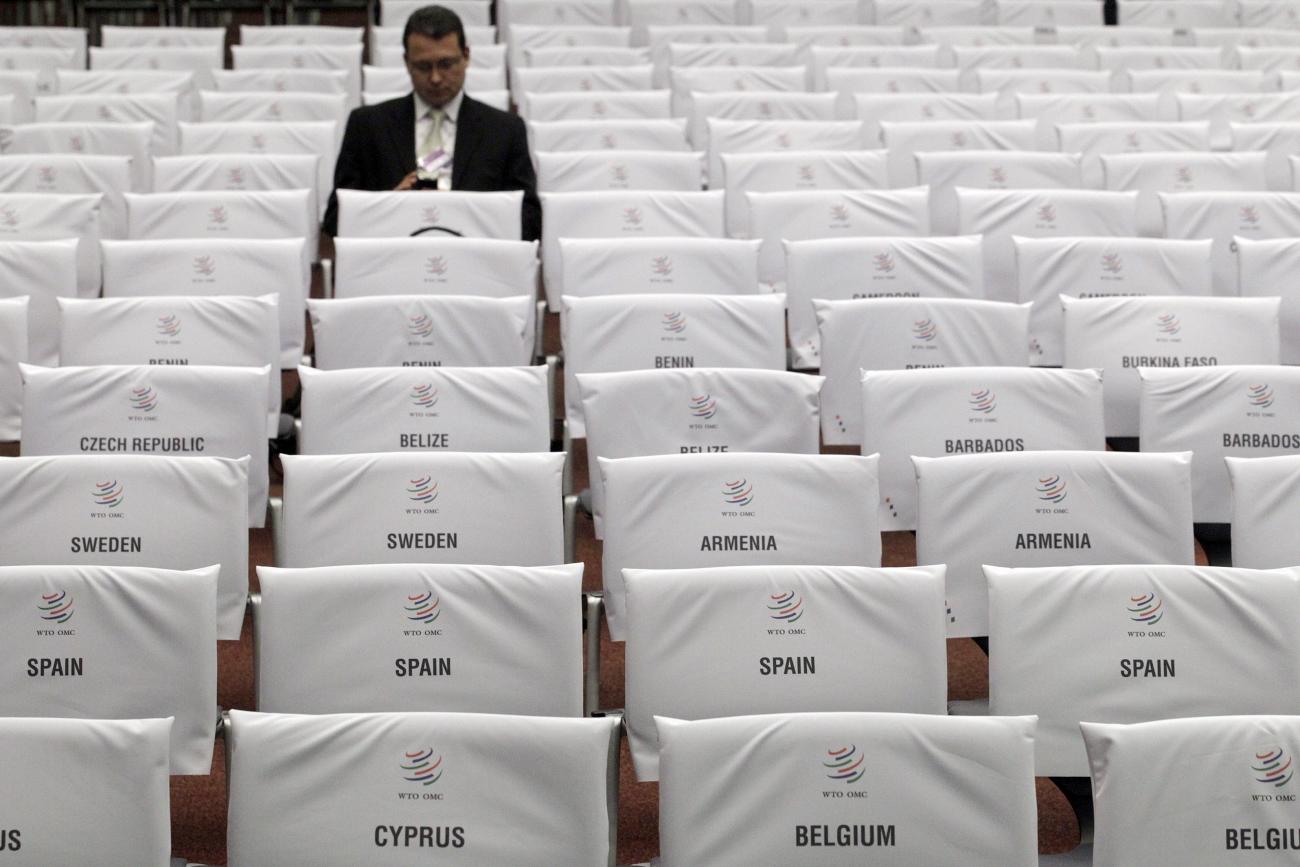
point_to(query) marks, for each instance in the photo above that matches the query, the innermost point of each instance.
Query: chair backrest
(1187, 171)
(159, 109)
(1275, 139)
(1051, 109)
(884, 267)
(603, 333)
(41, 272)
(115, 642)
(120, 808)
(146, 408)
(1047, 268)
(925, 13)
(1011, 83)
(907, 334)
(300, 34)
(775, 171)
(744, 614)
(664, 134)
(824, 57)
(388, 214)
(573, 171)
(53, 216)
(734, 509)
(958, 787)
(932, 413)
(1222, 109)
(280, 80)
(45, 62)
(423, 331)
(582, 55)
(1225, 215)
(132, 510)
(104, 81)
(757, 105)
(574, 33)
(1056, 508)
(1186, 13)
(1264, 268)
(895, 79)
(1048, 14)
(1170, 82)
(1092, 140)
(944, 171)
(1246, 411)
(603, 105)
(389, 409)
(685, 81)
(236, 172)
(1268, 13)
(1214, 771)
(905, 139)
(902, 108)
(1162, 642)
(971, 59)
(345, 57)
(776, 13)
(221, 106)
(433, 264)
(639, 266)
(201, 60)
(1263, 509)
(471, 12)
(660, 412)
(524, 788)
(861, 34)
(252, 214)
(1119, 335)
(21, 86)
(13, 351)
(449, 507)
(479, 639)
(118, 36)
(750, 136)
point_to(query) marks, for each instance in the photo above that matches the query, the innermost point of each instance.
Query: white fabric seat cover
(1264, 509)
(238, 172)
(554, 79)
(44, 61)
(422, 331)
(1278, 140)
(73, 174)
(622, 214)
(1226, 216)
(999, 215)
(120, 808)
(1183, 14)
(514, 789)
(741, 136)
(925, 13)
(345, 57)
(67, 38)
(1210, 806)
(389, 409)
(1244, 411)
(775, 13)
(776, 171)
(905, 139)
(944, 171)
(450, 654)
(933, 413)
(114, 642)
(1265, 269)
(806, 36)
(894, 79)
(1051, 109)
(118, 36)
(638, 266)
(471, 12)
(961, 787)
(665, 134)
(733, 510)
(1048, 13)
(1056, 508)
(280, 80)
(581, 55)
(704, 410)
(908, 108)
(1177, 172)
(882, 267)
(387, 214)
(685, 81)
(22, 86)
(302, 34)
(1092, 140)
(578, 30)
(756, 105)
(1171, 82)
(132, 510)
(1119, 335)
(571, 171)
(1162, 642)
(744, 614)
(802, 215)
(201, 61)
(1048, 268)
(602, 105)
(606, 333)
(1268, 13)
(223, 107)
(823, 57)
(907, 334)
(52, 217)
(1222, 109)
(421, 507)
(13, 352)
(159, 109)
(138, 81)
(41, 272)
(969, 59)
(436, 265)
(1009, 84)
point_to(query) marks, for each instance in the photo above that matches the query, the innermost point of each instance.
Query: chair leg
(593, 604)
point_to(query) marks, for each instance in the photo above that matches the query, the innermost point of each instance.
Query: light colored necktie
(433, 140)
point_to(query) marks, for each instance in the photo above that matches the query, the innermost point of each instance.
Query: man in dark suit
(438, 137)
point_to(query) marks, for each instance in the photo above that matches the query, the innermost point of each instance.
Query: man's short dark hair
(434, 22)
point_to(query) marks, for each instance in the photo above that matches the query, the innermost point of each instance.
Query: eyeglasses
(445, 65)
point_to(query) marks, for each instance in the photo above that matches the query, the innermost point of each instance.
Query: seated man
(438, 137)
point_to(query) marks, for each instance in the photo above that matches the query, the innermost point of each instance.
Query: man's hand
(407, 182)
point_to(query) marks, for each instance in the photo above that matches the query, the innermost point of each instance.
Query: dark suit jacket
(491, 154)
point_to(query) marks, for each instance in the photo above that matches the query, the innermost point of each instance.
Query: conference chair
(13, 351)
(54, 216)
(577, 171)
(345, 57)
(686, 81)
(1038, 13)
(757, 105)
(45, 62)
(1009, 84)
(683, 54)
(1263, 509)
(907, 108)
(1222, 109)
(1263, 268)
(138, 81)
(641, 14)
(582, 55)
(970, 59)
(1049, 110)
(389, 214)
(904, 139)
(19, 88)
(550, 79)
(776, 14)
(118, 36)
(1168, 83)
(238, 172)
(215, 106)
(1185, 14)
(806, 36)
(74, 174)
(893, 79)
(664, 134)
(820, 58)
(280, 80)
(926, 13)
(42, 272)
(159, 109)
(1267, 13)
(67, 38)
(199, 60)
(577, 30)
(599, 105)
(645, 266)
(1124, 60)
(1180, 171)
(1249, 39)
(299, 34)
(1093, 139)
(784, 171)
(945, 170)
(749, 136)
(657, 37)
(474, 13)
(1277, 139)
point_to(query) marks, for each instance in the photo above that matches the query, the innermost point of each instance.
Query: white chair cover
(345, 57)
(1170, 82)
(687, 80)
(300, 34)
(738, 136)
(606, 333)
(1051, 109)
(388, 214)
(821, 34)
(517, 788)
(572, 33)
(1278, 57)
(680, 54)
(756, 105)
(409, 508)
(451, 652)
(904, 139)
(436, 265)
(470, 12)
(1227, 215)
(148, 409)
(280, 80)
(390, 409)
(803, 215)
(201, 60)
(960, 786)
(1223, 109)
(944, 171)
(885, 267)
(73, 38)
(40, 272)
(120, 808)
(1210, 805)
(617, 134)
(1000, 214)
(422, 331)
(824, 57)
(219, 106)
(1245, 39)
(1264, 508)
(1183, 14)
(1119, 335)
(932, 413)
(777, 171)
(132, 510)
(1042, 13)
(551, 79)
(73, 81)
(618, 214)
(906, 107)
(1180, 172)
(703, 410)
(575, 171)
(898, 79)
(1278, 140)
(1137, 623)
(641, 266)
(1124, 60)
(1092, 140)
(238, 172)
(23, 86)
(1047, 268)
(13, 351)
(972, 58)
(1268, 13)
(176, 330)
(1265, 269)
(978, 36)
(1056, 508)
(643, 13)
(1010, 83)
(793, 509)
(159, 109)
(581, 55)
(907, 334)
(745, 613)
(927, 13)
(45, 62)
(600, 105)
(73, 174)
(1215, 412)
(52, 216)
(775, 13)
(114, 642)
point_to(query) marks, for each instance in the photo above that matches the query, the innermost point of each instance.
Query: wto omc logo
(421, 767)
(883, 262)
(599, 109)
(55, 607)
(982, 400)
(1183, 175)
(169, 325)
(703, 406)
(609, 141)
(235, 177)
(844, 764)
(47, 174)
(1112, 263)
(1046, 214)
(1168, 323)
(1260, 396)
(144, 399)
(258, 142)
(924, 329)
(1147, 609)
(1249, 214)
(420, 325)
(674, 323)
(435, 265)
(108, 494)
(806, 174)
(1051, 489)
(430, 215)
(1272, 766)
(661, 266)
(218, 216)
(632, 217)
(785, 607)
(958, 139)
(204, 265)
(424, 396)
(618, 173)
(997, 175)
(423, 490)
(9, 217)
(840, 215)
(738, 493)
(423, 608)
